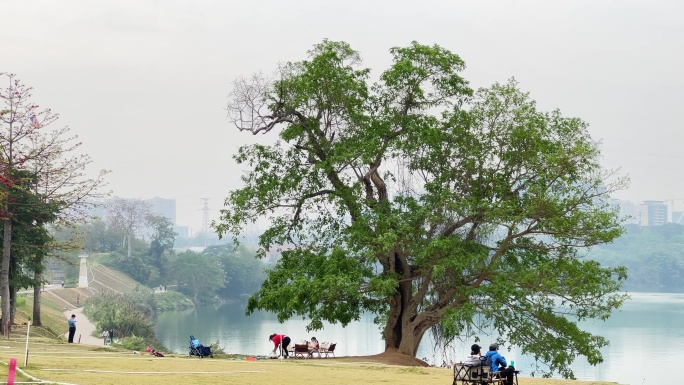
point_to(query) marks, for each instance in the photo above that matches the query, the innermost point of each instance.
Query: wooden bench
(327, 348)
(476, 375)
(301, 350)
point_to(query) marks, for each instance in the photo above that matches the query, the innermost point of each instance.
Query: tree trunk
(13, 303)
(38, 277)
(402, 335)
(129, 246)
(403, 332)
(4, 274)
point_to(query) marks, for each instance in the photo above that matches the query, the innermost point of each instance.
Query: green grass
(112, 279)
(78, 364)
(53, 360)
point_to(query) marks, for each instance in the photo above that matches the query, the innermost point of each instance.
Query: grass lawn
(52, 359)
(56, 361)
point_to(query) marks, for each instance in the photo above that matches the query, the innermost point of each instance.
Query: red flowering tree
(27, 142)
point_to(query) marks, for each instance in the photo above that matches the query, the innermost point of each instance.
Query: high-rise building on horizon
(629, 211)
(163, 206)
(653, 213)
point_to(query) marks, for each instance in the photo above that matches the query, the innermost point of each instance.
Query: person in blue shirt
(72, 328)
(499, 364)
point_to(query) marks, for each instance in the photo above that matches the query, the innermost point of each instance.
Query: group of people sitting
(281, 342)
(494, 359)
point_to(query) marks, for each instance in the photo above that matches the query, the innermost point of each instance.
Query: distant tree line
(140, 244)
(653, 256)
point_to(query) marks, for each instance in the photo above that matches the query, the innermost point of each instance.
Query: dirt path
(84, 328)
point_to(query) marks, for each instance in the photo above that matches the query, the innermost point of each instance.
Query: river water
(645, 336)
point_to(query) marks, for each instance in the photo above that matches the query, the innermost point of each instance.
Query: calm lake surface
(648, 326)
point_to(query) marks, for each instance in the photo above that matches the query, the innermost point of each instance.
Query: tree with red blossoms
(27, 142)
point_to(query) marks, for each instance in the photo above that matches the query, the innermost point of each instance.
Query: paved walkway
(84, 328)
(162, 288)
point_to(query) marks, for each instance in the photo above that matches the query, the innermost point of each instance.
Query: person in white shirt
(474, 359)
(462, 371)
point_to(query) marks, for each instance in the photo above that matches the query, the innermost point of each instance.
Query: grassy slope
(112, 278)
(53, 321)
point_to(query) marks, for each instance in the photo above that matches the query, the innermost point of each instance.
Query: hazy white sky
(144, 82)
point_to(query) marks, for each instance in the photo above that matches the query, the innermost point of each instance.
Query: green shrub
(216, 348)
(21, 301)
(173, 300)
(116, 312)
(134, 343)
(143, 299)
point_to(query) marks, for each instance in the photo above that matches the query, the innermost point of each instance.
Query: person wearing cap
(475, 357)
(499, 364)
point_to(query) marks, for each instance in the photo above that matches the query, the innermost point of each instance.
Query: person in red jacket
(280, 341)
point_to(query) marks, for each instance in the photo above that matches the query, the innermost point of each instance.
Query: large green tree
(31, 240)
(244, 273)
(162, 238)
(197, 275)
(425, 202)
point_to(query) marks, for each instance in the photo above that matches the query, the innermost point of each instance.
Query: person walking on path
(72, 328)
(105, 335)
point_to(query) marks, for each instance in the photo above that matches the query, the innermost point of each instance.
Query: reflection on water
(238, 333)
(648, 326)
(645, 338)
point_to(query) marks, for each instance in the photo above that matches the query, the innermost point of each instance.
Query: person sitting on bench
(499, 364)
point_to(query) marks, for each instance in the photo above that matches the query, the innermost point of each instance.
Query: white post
(27, 338)
(280, 351)
(83, 272)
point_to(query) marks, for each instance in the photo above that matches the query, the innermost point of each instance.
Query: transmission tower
(205, 219)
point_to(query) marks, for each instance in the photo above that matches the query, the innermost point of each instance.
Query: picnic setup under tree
(435, 206)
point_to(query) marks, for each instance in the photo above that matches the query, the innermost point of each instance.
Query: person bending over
(280, 341)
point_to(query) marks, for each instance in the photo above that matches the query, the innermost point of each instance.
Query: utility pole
(205, 219)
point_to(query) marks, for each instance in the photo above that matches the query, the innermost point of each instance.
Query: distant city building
(678, 217)
(653, 213)
(628, 210)
(182, 231)
(162, 206)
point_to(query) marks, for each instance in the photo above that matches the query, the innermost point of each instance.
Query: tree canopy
(197, 274)
(429, 203)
